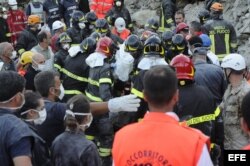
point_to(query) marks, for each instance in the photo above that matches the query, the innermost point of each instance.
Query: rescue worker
(63, 45)
(152, 25)
(153, 52)
(234, 66)
(71, 147)
(16, 137)
(138, 143)
(16, 21)
(101, 7)
(58, 28)
(120, 29)
(221, 33)
(7, 57)
(76, 71)
(76, 32)
(90, 24)
(35, 7)
(37, 65)
(4, 33)
(204, 16)
(245, 122)
(103, 28)
(33, 113)
(100, 89)
(67, 7)
(24, 62)
(43, 47)
(167, 39)
(191, 105)
(168, 8)
(28, 37)
(179, 17)
(52, 12)
(119, 10)
(179, 46)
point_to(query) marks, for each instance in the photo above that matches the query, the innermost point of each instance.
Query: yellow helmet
(26, 57)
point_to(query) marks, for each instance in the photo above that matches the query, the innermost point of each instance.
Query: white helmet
(12, 2)
(234, 61)
(120, 24)
(57, 25)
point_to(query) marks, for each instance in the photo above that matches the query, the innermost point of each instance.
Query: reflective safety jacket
(26, 41)
(223, 37)
(59, 59)
(138, 143)
(101, 7)
(168, 9)
(16, 21)
(123, 35)
(100, 83)
(75, 70)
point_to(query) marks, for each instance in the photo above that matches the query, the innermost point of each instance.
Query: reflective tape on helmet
(76, 77)
(137, 93)
(104, 152)
(93, 98)
(90, 137)
(105, 80)
(72, 92)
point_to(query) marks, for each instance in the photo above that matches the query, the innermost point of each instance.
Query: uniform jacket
(101, 7)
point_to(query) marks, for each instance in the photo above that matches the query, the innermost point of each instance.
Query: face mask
(5, 16)
(66, 46)
(81, 25)
(41, 67)
(39, 27)
(42, 117)
(14, 7)
(61, 95)
(118, 3)
(14, 108)
(85, 126)
(13, 56)
(119, 30)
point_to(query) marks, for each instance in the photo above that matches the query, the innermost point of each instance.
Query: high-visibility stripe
(90, 137)
(137, 93)
(104, 152)
(162, 25)
(72, 92)
(8, 34)
(227, 43)
(204, 118)
(105, 80)
(213, 44)
(93, 82)
(21, 51)
(57, 66)
(233, 45)
(93, 98)
(76, 77)
(169, 21)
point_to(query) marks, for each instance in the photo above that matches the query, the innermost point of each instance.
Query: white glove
(128, 103)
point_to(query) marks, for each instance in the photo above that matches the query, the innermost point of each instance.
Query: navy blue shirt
(15, 138)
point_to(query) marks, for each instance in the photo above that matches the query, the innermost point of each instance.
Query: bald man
(7, 56)
(37, 65)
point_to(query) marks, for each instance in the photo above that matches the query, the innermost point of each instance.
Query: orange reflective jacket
(101, 7)
(124, 35)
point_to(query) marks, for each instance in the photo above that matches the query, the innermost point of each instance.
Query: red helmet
(182, 26)
(107, 46)
(183, 66)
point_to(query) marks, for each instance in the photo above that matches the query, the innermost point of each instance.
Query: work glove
(128, 103)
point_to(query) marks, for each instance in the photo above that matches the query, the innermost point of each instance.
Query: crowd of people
(82, 84)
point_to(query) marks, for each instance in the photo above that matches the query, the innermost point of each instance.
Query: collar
(161, 117)
(41, 48)
(5, 111)
(199, 61)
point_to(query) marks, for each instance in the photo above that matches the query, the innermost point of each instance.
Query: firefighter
(168, 9)
(100, 89)
(204, 16)
(90, 24)
(76, 71)
(4, 33)
(167, 39)
(119, 10)
(28, 37)
(52, 12)
(63, 45)
(103, 28)
(221, 33)
(152, 25)
(76, 32)
(16, 21)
